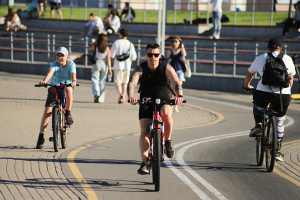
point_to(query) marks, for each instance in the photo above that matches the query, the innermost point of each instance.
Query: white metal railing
(50, 54)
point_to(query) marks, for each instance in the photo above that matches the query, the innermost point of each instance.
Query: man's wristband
(179, 96)
(73, 80)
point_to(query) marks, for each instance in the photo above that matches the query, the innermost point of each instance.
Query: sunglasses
(60, 56)
(152, 54)
(175, 41)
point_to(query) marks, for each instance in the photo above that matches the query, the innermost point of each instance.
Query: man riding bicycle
(267, 92)
(154, 75)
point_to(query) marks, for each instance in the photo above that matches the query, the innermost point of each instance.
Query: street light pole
(161, 25)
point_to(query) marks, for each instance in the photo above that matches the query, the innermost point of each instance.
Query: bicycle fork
(162, 139)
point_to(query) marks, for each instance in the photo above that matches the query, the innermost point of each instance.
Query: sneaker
(279, 157)
(121, 99)
(143, 169)
(256, 131)
(69, 120)
(96, 99)
(217, 36)
(170, 152)
(297, 38)
(211, 37)
(40, 143)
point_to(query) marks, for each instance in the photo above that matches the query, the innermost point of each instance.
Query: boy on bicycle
(63, 70)
(154, 85)
(267, 92)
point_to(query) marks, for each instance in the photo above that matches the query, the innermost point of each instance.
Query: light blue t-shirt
(31, 6)
(62, 74)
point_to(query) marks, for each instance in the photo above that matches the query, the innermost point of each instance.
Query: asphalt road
(215, 158)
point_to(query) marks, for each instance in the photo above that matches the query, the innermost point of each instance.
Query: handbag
(188, 72)
(93, 57)
(125, 55)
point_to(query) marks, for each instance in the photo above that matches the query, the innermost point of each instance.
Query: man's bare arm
(173, 77)
(134, 79)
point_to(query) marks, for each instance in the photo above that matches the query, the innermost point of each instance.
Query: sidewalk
(28, 173)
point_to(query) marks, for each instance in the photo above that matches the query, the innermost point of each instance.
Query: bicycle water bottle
(109, 77)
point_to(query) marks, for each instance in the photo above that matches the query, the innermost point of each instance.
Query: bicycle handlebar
(160, 102)
(249, 89)
(46, 85)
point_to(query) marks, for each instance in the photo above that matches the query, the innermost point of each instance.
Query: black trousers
(288, 23)
(260, 97)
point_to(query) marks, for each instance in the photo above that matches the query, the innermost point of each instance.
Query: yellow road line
(286, 177)
(104, 140)
(220, 117)
(87, 188)
(292, 142)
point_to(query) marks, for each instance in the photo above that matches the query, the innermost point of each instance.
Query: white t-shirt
(115, 23)
(96, 23)
(118, 48)
(258, 66)
(217, 5)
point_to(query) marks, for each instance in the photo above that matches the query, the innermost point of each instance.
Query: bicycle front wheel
(271, 142)
(56, 123)
(157, 159)
(63, 131)
(259, 150)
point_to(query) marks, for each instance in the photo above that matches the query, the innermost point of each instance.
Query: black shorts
(54, 5)
(146, 111)
(50, 98)
(41, 1)
(259, 98)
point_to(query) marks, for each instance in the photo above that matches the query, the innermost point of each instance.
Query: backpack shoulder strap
(280, 56)
(270, 55)
(163, 66)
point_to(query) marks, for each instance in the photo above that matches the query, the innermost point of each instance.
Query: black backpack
(275, 72)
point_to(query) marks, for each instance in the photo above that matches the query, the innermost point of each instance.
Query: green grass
(242, 18)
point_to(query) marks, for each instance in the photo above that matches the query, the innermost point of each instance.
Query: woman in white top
(101, 68)
(112, 23)
(12, 20)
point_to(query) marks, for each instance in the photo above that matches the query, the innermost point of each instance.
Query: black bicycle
(266, 143)
(157, 138)
(59, 122)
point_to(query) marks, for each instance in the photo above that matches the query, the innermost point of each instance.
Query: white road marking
(191, 143)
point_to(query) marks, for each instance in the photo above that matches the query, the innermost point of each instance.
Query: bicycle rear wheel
(63, 132)
(259, 149)
(271, 142)
(157, 160)
(56, 123)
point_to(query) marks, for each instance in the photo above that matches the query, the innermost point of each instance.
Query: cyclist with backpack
(276, 71)
(155, 76)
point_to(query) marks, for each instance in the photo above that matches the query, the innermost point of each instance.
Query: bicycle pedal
(50, 139)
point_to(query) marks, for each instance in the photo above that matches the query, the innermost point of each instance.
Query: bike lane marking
(87, 188)
(191, 143)
(91, 194)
